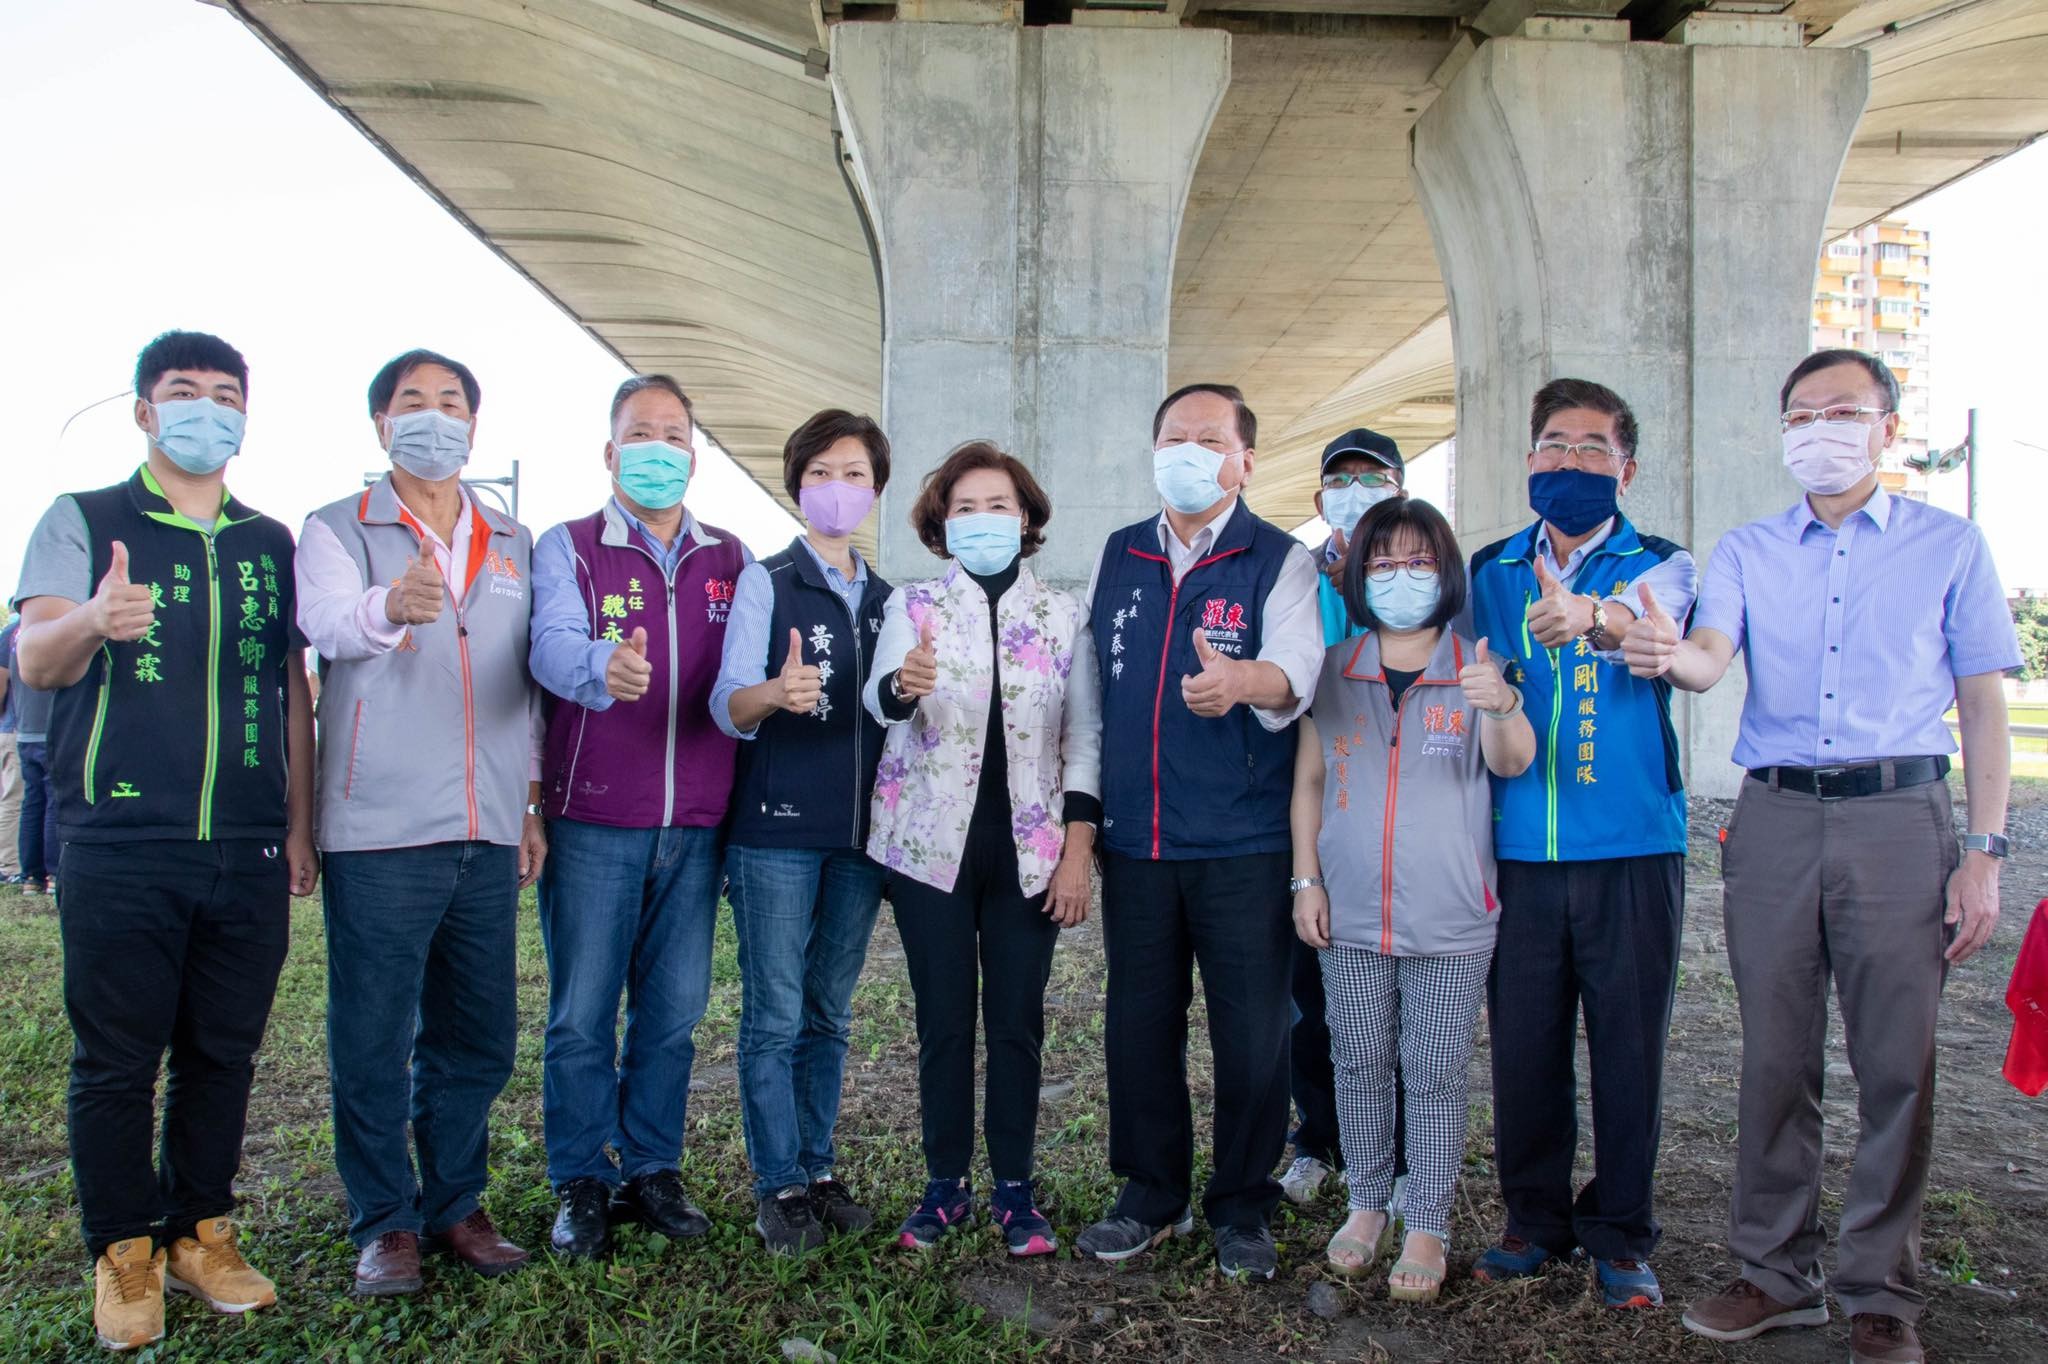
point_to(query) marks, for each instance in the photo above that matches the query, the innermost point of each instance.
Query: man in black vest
(1209, 645)
(182, 769)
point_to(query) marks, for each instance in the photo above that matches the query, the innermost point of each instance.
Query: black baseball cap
(1360, 442)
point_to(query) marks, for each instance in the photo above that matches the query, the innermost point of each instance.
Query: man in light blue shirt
(1861, 615)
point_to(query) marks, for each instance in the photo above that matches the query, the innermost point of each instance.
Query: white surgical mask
(198, 435)
(1344, 508)
(429, 444)
(1185, 475)
(1828, 457)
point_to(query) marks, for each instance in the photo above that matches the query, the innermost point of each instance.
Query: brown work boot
(128, 1294)
(389, 1265)
(476, 1242)
(209, 1266)
(1742, 1311)
(1877, 1339)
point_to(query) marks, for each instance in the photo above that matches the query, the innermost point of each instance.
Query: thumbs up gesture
(801, 682)
(1482, 683)
(628, 674)
(121, 611)
(920, 670)
(1652, 642)
(1558, 616)
(1216, 688)
(415, 599)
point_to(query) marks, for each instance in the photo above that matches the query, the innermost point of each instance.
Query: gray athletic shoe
(1246, 1252)
(1119, 1238)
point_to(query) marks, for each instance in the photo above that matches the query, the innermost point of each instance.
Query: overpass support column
(1647, 215)
(1025, 189)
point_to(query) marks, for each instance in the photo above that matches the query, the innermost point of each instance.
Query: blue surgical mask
(984, 542)
(1186, 476)
(654, 473)
(1402, 602)
(1344, 508)
(198, 435)
(1573, 500)
(429, 444)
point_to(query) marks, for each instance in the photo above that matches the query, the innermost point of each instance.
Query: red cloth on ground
(2026, 1059)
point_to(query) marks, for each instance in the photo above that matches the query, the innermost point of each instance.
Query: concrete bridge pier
(1648, 215)
(1025, 188)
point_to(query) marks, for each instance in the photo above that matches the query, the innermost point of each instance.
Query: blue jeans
(38, 844)
(421, 1023)
(623, 911)
(803, 916)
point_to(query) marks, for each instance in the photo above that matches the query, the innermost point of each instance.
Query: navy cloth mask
(1573, 500)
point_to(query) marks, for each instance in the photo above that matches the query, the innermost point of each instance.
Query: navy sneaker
(1025, 1228)
(1628, 1283)
(948, 1203)
(1513, 1258)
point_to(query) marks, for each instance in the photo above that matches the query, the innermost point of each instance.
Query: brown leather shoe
(389, 1265)
(1742, 1311)
(476, 1242)
(1878, 1339)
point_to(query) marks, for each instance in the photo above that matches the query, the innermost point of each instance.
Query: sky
(176, 174)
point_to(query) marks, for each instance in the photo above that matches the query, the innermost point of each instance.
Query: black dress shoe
(657, 1202)
(583, 1226)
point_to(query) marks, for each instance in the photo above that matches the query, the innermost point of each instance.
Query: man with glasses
(1590, 842)
(1861, 616)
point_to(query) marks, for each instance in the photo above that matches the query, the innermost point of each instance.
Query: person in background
(38, 844)
(804, 892)
(415, 594)
(1393, 874)
(1860, 616)
(630, 611)
(1591, 848)
(10, 759)
(984, 814)
(160, 612)
(1361, 469)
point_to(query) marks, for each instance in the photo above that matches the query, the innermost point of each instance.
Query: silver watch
(1995, 844)
(1297, 884)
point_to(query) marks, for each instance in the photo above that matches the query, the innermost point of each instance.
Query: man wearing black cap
(1360, 469)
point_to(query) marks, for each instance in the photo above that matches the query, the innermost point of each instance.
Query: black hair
(1247, 424)
(640, 383)
(1559, 394)
(1377, 531)
(1880, 374)
(825, 430)
(187, 350)
(385, 386)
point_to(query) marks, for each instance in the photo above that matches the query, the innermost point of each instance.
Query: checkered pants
(1424, 1008)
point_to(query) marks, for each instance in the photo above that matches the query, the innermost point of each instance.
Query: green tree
(2030, 617)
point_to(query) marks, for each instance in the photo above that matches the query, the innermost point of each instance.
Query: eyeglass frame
(1401, 566)
(1571, 449)
(1382, 478)
(1857, 413)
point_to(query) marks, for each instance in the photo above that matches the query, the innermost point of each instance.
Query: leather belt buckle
(1822, 776)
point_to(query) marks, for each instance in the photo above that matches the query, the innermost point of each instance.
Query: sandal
(1431, 1275)
(1367, 1252)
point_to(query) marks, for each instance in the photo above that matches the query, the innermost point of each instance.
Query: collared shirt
(746, 630)
(1291, 636)
(1854, 638)
(668, 555)
(1673, 581)
(344, 620)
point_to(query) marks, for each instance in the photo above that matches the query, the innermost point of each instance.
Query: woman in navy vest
(798, 649)
(984, 814)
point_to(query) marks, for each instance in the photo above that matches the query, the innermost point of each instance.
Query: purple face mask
(835, 508)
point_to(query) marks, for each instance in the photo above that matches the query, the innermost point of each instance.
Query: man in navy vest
(1209, 645)
(630, 608)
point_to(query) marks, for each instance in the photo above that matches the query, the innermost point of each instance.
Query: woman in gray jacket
(1394, 873)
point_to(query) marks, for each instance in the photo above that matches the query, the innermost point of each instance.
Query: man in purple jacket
(629, 617)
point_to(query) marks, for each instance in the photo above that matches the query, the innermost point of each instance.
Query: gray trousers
(1853, 889)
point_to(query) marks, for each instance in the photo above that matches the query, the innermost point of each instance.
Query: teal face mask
(198, 435)
(984, 542)
(654, 473)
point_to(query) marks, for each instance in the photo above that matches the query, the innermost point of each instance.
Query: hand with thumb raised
(920, 671)
(627, 673)
(121, 610)
(1558, 616)
(637, 641)
(415, 599)
(802, 683)
(1651, 644)
(1482, 683)
(1217, 687)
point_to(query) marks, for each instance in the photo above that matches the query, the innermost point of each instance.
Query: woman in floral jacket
(987, 843)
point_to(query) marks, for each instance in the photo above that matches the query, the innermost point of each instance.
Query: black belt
(1864, 779)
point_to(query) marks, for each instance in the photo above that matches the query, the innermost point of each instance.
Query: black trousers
(169, 946)
(1600, 936)
(986, 931)
(1314, 1076)
(1231, 916)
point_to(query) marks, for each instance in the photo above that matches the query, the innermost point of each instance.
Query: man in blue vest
(1591, 846)
(1208, 644)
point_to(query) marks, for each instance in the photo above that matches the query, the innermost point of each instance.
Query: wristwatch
(1998, 845)
(536, 811)
(1297, 884)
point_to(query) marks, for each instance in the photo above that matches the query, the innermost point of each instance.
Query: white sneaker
(1304, 1179)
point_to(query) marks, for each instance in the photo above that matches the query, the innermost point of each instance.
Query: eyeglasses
(1383, 570)
(1558, 451)
(1332, 482)
(1794, 418)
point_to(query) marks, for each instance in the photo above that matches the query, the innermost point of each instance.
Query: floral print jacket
(931, 763)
